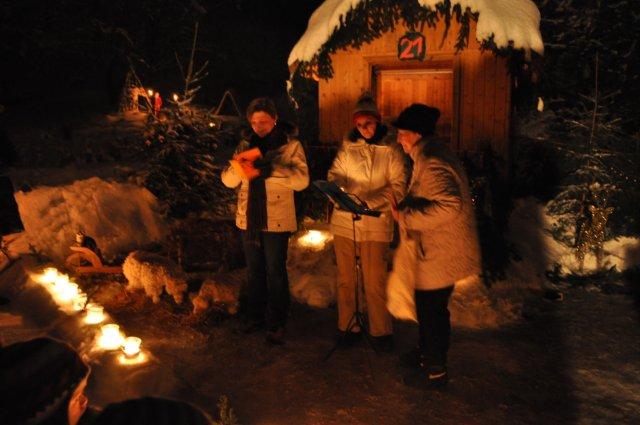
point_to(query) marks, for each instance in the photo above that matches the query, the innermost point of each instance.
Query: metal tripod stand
(358, 318)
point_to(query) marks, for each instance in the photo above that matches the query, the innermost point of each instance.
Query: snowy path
(575, 361)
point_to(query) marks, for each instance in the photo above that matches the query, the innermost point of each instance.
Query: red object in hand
(243, 163)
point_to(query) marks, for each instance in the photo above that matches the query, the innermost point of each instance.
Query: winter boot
(428, 378)
(383, 344)
(346, 340)
(412, 359)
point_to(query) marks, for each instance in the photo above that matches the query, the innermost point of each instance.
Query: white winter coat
(443, 246)
(377, 175)
(290, 173)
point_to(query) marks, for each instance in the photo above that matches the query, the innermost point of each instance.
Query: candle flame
(315, 239)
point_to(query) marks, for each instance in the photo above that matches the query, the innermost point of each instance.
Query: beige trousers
(373, 263)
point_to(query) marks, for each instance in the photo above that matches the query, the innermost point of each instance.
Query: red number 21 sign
(412, 45)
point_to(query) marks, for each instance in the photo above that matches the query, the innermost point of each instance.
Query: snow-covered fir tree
(182, 171)
(590, 87)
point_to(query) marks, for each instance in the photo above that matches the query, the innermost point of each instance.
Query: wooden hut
(426, 51)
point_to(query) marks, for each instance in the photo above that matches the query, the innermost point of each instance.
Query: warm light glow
(175, 97)
(110, 337)
(49, 276)
(127, 361)
(150, 92)
(211, 124)
(79, 301)
(95, 314)
(314, 239)
(131, 346)
(65, 291)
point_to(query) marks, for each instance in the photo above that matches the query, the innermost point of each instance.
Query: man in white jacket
(372, 167)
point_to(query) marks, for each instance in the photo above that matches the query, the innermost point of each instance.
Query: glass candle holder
(49, 275)
(110, 338)
(131, 347)
(79, 301)
(95, 314)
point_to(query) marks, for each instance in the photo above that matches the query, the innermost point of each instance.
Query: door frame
(449, 62)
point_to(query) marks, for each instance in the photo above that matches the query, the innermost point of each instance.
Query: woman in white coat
(370, 166)
(437, 216)
(266, 216)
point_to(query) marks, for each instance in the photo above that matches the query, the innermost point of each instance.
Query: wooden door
(398, 88)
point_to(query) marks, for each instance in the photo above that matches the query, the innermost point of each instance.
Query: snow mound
(515, 22)
(312, 277)
(312, 267)
(529, 228)
(120, 217)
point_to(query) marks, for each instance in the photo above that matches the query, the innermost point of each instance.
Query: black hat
(37, 376)
(152, 410)
(418, 118)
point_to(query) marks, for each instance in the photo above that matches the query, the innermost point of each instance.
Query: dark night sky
(55, 48)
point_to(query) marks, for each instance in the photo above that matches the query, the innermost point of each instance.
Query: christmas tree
(591, 90)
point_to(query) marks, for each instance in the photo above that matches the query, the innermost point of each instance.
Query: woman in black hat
(437, 216)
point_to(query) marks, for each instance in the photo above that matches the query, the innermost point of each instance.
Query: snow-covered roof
(508, 21)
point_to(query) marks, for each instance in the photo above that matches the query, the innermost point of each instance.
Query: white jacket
(290, 173)
(377, 175)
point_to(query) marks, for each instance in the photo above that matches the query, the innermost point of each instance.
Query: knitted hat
(37, 376)
(418, 118)
(366, 106)
(152, 410)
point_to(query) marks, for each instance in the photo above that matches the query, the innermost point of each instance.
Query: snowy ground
(564, 362)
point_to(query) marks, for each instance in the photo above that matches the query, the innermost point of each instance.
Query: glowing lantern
(150, 92)
(49, 276)
(314, 239)
(95, 314)
(110, 338)
(212, 124)
(64, 290)
(79, 301)
(131, 346)
(175, 97)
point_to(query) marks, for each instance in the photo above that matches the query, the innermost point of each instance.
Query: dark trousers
(434, 325)
(265, 294)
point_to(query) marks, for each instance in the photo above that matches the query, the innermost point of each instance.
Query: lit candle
(131, 347)
(80, 301)
(49, 276)
(313, 239)
(95, 314)
(111, 338)
(66, 292)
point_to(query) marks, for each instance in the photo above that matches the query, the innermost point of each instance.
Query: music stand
(357, 208)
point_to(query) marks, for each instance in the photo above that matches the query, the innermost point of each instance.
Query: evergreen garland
(371, 18)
